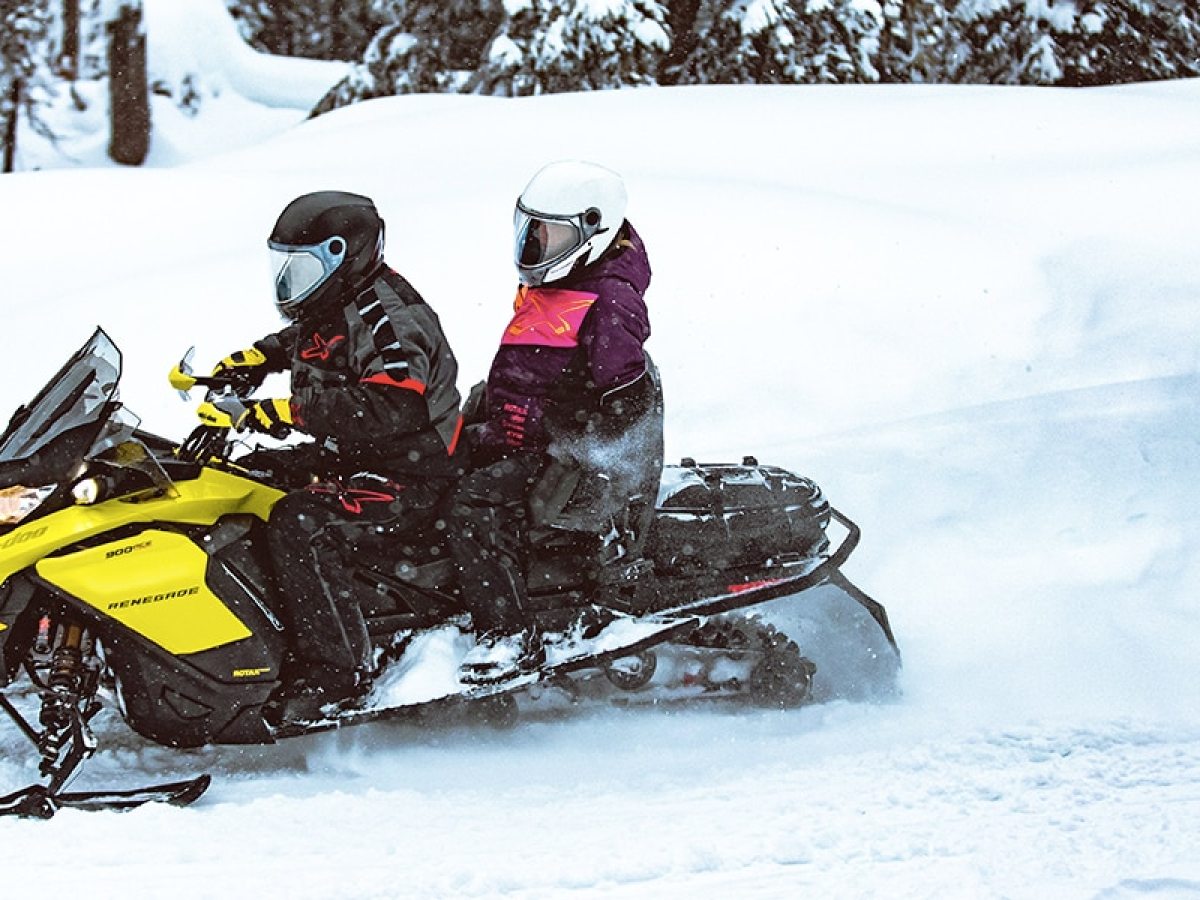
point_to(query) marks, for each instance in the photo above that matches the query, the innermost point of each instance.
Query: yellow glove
(272, 417)
(243, 366)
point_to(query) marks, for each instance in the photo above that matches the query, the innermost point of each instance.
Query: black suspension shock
(61, 693)
(67, 694)
(66, 663)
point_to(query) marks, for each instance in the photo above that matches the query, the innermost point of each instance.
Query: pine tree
(427, 47)
(548, 46)
(1087, 43)
(775, 42)
(832, 42)
(317, 29)
(518, 47)
(684, 35)
(1002, 44)
(1116, 42)
(918, 42)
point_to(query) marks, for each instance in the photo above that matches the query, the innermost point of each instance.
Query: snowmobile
(134, 575)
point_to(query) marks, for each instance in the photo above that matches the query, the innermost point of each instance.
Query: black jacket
(375, 379)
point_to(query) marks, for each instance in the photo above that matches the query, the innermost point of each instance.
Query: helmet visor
(541, 240)
(299, 271)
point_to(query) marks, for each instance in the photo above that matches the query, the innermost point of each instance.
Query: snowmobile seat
(585, 528)
(592, 506)
(570, 498)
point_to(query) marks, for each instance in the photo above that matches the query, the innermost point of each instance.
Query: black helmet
(322, 245)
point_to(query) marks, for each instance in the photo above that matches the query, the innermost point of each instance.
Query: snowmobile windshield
(542, 240)
(77, 416)
(299, 271)
(79, 397)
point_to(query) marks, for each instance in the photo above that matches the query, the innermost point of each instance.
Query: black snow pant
(315, 537)
(487, 524)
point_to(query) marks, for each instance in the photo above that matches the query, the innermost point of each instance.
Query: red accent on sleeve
(458, 427)
(409, 384)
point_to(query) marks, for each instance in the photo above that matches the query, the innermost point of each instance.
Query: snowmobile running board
(484, 692)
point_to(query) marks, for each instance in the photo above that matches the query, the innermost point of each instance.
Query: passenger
(570, 363)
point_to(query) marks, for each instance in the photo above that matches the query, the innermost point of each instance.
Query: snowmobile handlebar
(232, 381)
(223, 405)
(224, 383)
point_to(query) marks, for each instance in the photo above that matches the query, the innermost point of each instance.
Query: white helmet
(568, 215)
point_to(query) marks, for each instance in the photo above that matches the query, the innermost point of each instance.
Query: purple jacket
(568, 347)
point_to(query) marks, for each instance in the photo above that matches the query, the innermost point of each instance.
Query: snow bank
(198, 40)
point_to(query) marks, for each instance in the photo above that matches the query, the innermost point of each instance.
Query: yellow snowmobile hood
(198, 501)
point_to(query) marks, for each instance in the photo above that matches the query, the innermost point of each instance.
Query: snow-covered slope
(971, 314)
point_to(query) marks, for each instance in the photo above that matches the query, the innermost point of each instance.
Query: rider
(373, 384)
(570, 364)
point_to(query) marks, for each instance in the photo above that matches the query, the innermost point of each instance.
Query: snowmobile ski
(37, 802)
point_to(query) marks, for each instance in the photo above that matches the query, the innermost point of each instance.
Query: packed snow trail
(837, 800)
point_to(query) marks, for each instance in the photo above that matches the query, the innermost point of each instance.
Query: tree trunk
(13, 106)
(129, 100)
(68, 61)
(681, 22)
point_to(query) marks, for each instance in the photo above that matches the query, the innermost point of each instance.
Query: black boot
(500, 655)
(313, 691)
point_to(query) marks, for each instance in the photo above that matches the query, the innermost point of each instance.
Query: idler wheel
(632, 673)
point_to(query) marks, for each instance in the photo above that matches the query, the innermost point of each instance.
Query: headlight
(18, 501)
(87, 491)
